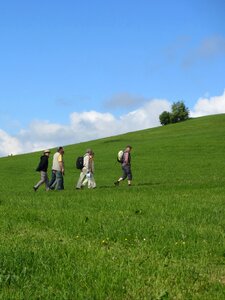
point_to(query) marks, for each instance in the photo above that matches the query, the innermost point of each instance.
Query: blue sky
(66, 63)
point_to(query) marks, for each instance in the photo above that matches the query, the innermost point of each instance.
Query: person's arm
(92, 166)
(61, 164)
(62, 167)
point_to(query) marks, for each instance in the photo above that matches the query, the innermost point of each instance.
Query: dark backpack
(80, 163)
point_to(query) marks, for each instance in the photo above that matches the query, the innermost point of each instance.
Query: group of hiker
(86, 167)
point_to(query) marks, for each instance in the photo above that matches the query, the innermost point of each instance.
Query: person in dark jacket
(126, 166)
(43, 168)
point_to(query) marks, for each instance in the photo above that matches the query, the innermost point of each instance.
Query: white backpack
(120, 156)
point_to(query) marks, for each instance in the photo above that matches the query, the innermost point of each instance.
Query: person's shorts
(127, 172)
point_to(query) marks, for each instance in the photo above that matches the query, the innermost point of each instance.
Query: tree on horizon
(179, 112)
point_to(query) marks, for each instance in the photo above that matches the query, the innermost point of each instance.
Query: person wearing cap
(58, 171)
(126, 166)
(43, 168)
(87, 171)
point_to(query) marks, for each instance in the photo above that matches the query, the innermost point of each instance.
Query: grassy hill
(162, 238)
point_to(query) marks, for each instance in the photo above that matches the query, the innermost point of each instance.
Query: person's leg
(41, 181)
(80, 180)
(92, 182)
(123, 177)
(89, 182)
(129, 176)
(46, 182)
(52, 182)
(59, 181)
(84, 182)
(52, 187)
(62, 183)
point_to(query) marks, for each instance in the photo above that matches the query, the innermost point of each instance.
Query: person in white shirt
(90, 175)
(86, 175)
(58, 171)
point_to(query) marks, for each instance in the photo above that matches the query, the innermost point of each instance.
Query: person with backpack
(90, 175)
(43, 168)
(87, 169)
(124, 157)
(58, 171)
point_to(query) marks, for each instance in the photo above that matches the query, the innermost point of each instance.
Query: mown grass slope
(162, 238)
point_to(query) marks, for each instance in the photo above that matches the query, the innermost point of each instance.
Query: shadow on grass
(148, 183)
(133, 185)
(112, 141)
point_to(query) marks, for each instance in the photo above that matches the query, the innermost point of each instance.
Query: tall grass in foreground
(163, 238)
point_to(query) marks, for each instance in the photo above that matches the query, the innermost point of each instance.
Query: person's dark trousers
(127, 172)
(53, 178)
(59, 181)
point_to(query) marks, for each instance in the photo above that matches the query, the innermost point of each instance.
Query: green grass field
(163, 238)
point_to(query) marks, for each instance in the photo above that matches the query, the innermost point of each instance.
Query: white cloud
(83, 126)
(209, 106)
(92, 125)
(9, 145)
(146, 116)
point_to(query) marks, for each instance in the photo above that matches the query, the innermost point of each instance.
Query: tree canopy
(179, 112)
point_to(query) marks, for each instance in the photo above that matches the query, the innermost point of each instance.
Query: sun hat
(47, 151)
